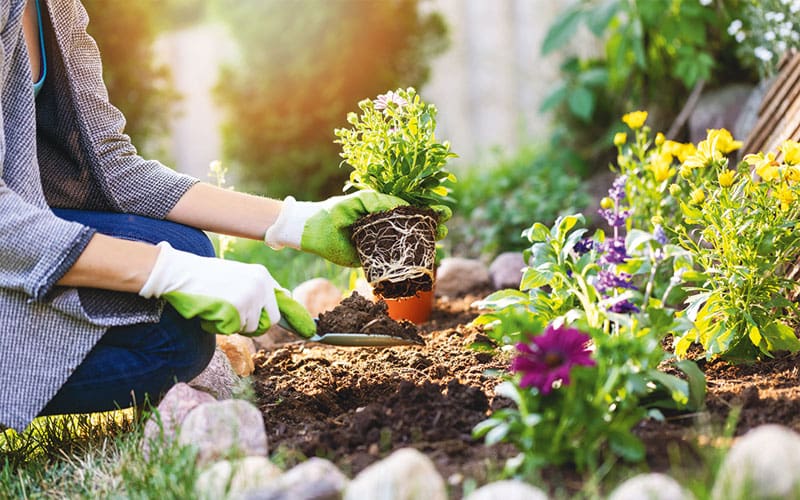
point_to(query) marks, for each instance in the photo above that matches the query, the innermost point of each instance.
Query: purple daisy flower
(383, 100)
(660, 235)
(550, 356)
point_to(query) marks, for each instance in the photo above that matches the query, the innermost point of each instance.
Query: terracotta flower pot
(416, 309)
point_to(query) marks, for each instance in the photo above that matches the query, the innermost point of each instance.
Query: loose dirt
(354, 406)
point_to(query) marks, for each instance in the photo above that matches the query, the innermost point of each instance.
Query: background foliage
(302, 69)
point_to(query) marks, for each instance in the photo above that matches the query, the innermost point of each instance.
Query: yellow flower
(674, 189)
(705, 155)
(785, 196)
(722, 141)
(791, 152)
(620, 138)
(698, 196)
(662, 167)
(685, 171)
(765, 165)
(635, 119)
(607, 203)
(660, 139)
(726, 178)
(678, 150)
(685, 151)
(793, 173)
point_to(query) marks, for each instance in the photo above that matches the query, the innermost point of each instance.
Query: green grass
(93, 456)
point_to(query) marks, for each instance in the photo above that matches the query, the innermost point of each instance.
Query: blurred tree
(140, 87)
(304, 65)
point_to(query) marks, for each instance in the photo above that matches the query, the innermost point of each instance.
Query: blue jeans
(134, 363)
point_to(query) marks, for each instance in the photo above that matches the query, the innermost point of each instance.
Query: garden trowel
(349, 339)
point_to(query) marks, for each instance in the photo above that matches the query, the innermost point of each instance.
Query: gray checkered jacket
(64, 149)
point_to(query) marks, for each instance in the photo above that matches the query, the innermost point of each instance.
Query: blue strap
(40, 83)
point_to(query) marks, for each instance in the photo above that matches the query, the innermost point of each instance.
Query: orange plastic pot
(416, 309)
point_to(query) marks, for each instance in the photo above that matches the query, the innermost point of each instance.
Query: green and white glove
(228, 296)
(323, 227)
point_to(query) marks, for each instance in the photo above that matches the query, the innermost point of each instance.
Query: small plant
(392, 149)
(587, 332)
(741, 225)
(766, 30)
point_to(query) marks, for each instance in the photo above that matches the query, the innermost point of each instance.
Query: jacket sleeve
(36, 247)
(130, 183)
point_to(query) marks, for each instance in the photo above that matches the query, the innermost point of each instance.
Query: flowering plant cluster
(766, 30)
(588, 343)
(741, 225)
(392, 149)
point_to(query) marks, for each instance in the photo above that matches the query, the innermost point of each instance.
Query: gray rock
(507, 490)
(764, 463)
(719, 108)
(218, 379)
(652, 486)
(748, 117)
(314, 479)
(177, 403)
(506, 269)
(235, 478)
(318, 295)
(406, 474)
(457, 276)
(224, 429)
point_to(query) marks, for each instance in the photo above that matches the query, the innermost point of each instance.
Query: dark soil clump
(355, 314)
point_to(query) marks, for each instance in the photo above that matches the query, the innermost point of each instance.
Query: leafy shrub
(766, 30)
(494, 204)
(305, 64)
(655, 52)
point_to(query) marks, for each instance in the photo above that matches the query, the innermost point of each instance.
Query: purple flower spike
(383, 100)
(550, 357)
(624, 307)
(614, 251)
(617, 191)
(607, 280)
(584, 246)
(615, 218)
(660, 235)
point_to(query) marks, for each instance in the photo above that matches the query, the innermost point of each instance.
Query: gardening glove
(323, 227)
(228, 297)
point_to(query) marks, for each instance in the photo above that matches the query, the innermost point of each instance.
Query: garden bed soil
(354, 406)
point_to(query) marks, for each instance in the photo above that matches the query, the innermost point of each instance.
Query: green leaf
(537, 232)
(510, 391)
(554, 98)
(562, 29)
(497, 434)
(581, 102)
(697, 384)
(536, 277)
(626, 445)
(602, 16)
(780, 337)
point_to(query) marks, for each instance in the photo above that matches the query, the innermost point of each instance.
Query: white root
(388, 250)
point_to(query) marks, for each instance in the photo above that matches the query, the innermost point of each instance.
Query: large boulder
(163, 425)
(223, 429)
(458, 276)
(239, 350)
(234, 478)
(506, 269)
(316, 479)
(764, 463)
(218, 379)
(317, 295)
(508, 490)
(652, 486)
(406, 474)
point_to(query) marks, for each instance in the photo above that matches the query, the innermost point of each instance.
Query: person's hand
(323, 227)
(228, 297)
